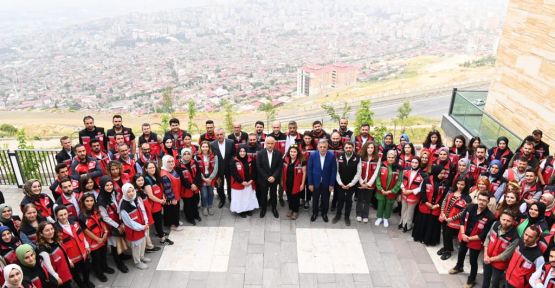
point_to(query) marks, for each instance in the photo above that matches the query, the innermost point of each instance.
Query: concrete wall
(522, 94)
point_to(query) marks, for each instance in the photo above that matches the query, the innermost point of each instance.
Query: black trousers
(473, 260)
(81, 268)
(492, 276)
(171, 215)
(344, 197)
(99, 260)
(220, 187)
(158, 223)
(363, 201)
(190, 208)
(262, 191)
(322, 194)
(448, 235)
(294, 201)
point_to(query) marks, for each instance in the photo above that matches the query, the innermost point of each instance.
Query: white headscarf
(124, 189)
(7, 270)
(165, 160)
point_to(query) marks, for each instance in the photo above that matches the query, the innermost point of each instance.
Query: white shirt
(221, 146)
(322, 159)
(364, 139)
(67, 228)
(290, 141)
(269, 157)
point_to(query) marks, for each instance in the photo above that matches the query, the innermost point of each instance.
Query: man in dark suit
(225, 150)
(321, 170)
(67, 153)
(268, 173)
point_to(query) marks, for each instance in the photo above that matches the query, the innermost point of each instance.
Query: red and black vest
(8, 253)
(176, 184)
(74, 244)
(504, 158)
(404, 162)
(451, 210)
(94, 224)
(522, 266)
(58, 189)
(368, 169)
(189, 173)
(240, 168)
(128, 168)
(158, 193)
(454, 157)
(548, 169)
(136, 215)
(477, 169)
(499, 243)
(84, 167)
(416, 182)
(85, 137)
(307, 149)
(43, 204)
(545, 273)
(383, 177)
(359, 142)
(336, 149)
(297, 175)
(58, 259)
(37, 275)
(210, 164)
(433, 197)
(478, 227)
(71, 209)
(127, 134)
(527, 192)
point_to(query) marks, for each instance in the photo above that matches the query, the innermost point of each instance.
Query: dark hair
(412, 150)
(24, 211)
(63, 138)
(259, 123)
(365, 125)
(135, 178)
(364, 151)
(79, 146)
(300, 155)
(470, 148)
(463, 139)
(92, 141)
(535, 228)
(40, 238)
(82, 203)
(209, 122)
(316, 123)
(113, 163)
(485, 194)
(88, 117)
(117, 116)
(308, 133)
(59, 167)
(64, 180)
(509, 213)
(428, 140)
(187, 134)
(292, 122)
(530, 170)
(482, 146)
(174, 121)
(83, 180)
(59, 208)
(145, 125)
(349, 143)
(522, 158)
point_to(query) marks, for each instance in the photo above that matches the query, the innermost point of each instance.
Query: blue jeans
(207, 196)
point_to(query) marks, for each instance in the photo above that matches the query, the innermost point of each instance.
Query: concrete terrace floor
(266, 252)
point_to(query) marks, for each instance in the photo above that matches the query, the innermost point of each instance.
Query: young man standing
(525, 267)
(259, 131)
(92, 132)
(128, 135)
(176, 134)
(238, 136)
(151, 139)
(66, 154)
(346, 134)
(348, 172)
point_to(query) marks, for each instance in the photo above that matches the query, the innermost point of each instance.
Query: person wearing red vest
(208, 170)
(335, 145)
(29, 224)
(33, 194)
(238, 136)
(168, 148)
(530, 189)
(517, 173)
(99, 155)
(370, 161)
(83, 164)
(96, 234)
(11, 276)
(388, 185)
(209, 135)
(346, 134)
(547, 279)
(33, 268)
(280, 142)
(525, 267)
(433, 143)
(475, 224)
(479, 163)
(547, 170)
(458, 149)
(171, 185)
(499, 245)
(442, 159)
(127, 163)
(151, 139)
(133, 214)
(61, 173)
(349, 168)
(68, 199)
(92, 132)
(452, 209)
(259, 131)
(411, 186)
(243, 199)
(362, 138)
(293, 178)
(76, 246)
(189, 174)
(406, 155)
(427, 228)
(139, 182)
(156, 199)
(145, 156)
(8, 243)
(175, 133)
(501, 152)
(307, 146)
(108, 207)
(53, 255)
(118, 128)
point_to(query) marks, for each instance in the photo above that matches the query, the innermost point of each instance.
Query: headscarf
(541, 214)
(245, 162)
(165, 160)
(405, 136)
(503, 138)
(436, 170)
(7, 271)
(443, 149)
(183, 153)
(21, 251)
(124, 190)
(166, 138)
(27, 188)
(3, 207)
(465, 161)
(104, 198)
(550, 200)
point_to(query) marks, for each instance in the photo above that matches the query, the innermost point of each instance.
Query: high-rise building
(314, 79)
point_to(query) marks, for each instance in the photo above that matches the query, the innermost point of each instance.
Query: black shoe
(101, 277)
(167, 242)
(445, 255)
(249, 213)
(332, 209)
(122, 268)
(243, 215)
(281, 202)
(335, 219)
(109, 270)
(313, 217)
(405, 229)
(306, 206)
(262, 213)
(400, 226)
(347, 221)
(275, 212)
(124, 256)
(221, 204)
(198, 218)
(192, 222)
(325, 218)
(153, 249)
(89, 284)
(440, 251)
(456, 270)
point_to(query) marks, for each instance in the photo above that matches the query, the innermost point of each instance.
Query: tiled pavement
(264, 254)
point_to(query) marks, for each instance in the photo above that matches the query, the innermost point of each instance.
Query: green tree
(378, 133)
(228, 115)
(167, 101)
(404, 111)
(270, 112)
(30, 162)
(8, 129)
(164, 123)
(364, 115)
(192, 109)
(330, 110)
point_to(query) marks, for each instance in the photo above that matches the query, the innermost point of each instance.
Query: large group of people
(110, 189)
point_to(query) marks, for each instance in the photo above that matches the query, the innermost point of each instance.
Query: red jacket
(499, 243)
(522, 266)
(189, 175)
(298, 175)
(430, 197)
(176, 184)
(136, 215)
(58, 259)
(368, 169)
(211, 163)
(240, 169)
(73, 244)
(94, 224)
(458, 206)
(416, 182)
(383, 174)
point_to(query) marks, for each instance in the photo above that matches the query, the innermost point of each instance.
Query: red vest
(84, 168)
(37, 281)
(457, 207)
(74, 186)
(545, 273)
(358, 142)
(158, 193)
(58, 259)
(498, 244)
(71, 209)
(429, 190)
(453, 156)
(103, 160)
(128, 168)
(211, 163)
(548, 170)
(411, 198)
(297, 175)
(527, 192)
(95, 225)
(8, 253)
(189, 175)
(136, 215)
(86, 140)
(522, 265)
(368, 169)
(476, 230)
(241, 171)
(307, 149)
(73, 244)
(477, 169)
(405, 163)
(44, 205)
(176, 184)
(384, 172)
(504, 158)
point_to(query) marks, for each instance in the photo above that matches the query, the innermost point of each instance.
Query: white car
(479, 102)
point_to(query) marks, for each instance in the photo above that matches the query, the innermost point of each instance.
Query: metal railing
(19, 165)
(467, 109)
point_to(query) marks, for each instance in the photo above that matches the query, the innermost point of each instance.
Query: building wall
(522, 94)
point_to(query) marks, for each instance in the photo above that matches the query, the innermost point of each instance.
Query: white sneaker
(141, 266)
(181, 223)
(365, 220)
(359, 218)
(385, 223)
(378, 222)
(146, 260)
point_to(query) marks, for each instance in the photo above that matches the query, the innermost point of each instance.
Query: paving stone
(254, 270)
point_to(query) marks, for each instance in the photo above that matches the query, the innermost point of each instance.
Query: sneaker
(146, 260)
(385, 223)
(205, 211)
(378, 221)
(181, 223)
(141, 266)
(469, 284)
(166, 242)
(455, 270)
(359, 218)
(365, 220)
